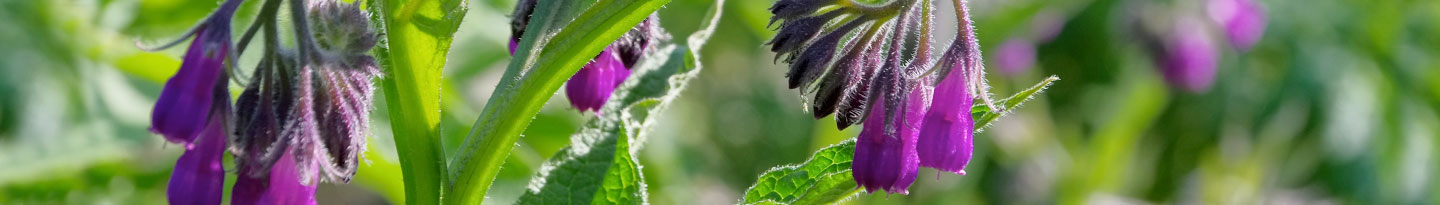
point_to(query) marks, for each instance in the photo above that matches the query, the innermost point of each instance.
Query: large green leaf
(417, 38)
(825, 177)
(562, 36)
(599, 166)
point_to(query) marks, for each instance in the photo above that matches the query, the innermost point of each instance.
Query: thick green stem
(418, 34)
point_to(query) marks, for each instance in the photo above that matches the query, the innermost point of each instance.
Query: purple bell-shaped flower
(193, 109)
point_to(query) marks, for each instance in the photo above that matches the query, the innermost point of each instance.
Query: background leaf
(825, 177)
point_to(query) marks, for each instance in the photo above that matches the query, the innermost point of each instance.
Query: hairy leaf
(824, 178)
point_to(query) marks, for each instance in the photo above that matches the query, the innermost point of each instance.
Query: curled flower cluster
(301, 119)
(871, 64)
(590, 88)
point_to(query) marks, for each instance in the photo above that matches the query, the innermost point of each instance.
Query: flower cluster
(301, 119)
(871, 64)
(590, 88)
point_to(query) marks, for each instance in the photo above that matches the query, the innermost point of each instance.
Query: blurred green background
(1339, 102)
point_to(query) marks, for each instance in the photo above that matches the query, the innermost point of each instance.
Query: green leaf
(825, 177)
(599, 166)
(983, 115)
(563, 42)
(417, 35)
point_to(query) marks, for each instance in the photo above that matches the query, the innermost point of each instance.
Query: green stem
(413, 60)
(517, 100)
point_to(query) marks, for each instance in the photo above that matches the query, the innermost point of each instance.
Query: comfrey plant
(301, 119)
(883, 76)
(870, 63)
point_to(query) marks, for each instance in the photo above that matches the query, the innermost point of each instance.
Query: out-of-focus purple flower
(946, 139)
(888, 160)
(282, 186)
(199, 176)
(1046, 25)
(186, 101)
(1243, 21)
(591, 86)
(1189, 57)
(1017, 55)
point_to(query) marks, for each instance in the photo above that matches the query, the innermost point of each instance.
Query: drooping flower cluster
(590, 88)
(301, 119)
(871, 63)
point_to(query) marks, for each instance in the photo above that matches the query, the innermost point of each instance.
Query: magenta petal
(185, 102)
(281, 186)
(884, 161)
(591, 86)
(199, 176)
(946, 140)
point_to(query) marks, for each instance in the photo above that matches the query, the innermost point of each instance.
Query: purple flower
(1243, 21)
(888, 160)
(186, 101)
(193, 108)
(946, 140)
(283, 185)
(1189, 57)
(199, 176)
(885, 78)
(307, 115)
(590, 88)
(315, 112)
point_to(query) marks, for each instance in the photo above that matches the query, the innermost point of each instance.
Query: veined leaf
(825, 177)
(599, 166)
(417, 35)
